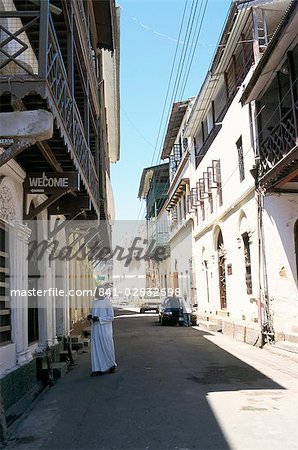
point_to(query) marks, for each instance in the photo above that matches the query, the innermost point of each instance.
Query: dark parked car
(170, 311)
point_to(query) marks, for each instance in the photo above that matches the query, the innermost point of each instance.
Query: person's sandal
(94, 374)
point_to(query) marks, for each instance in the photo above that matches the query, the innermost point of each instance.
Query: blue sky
(146, 62)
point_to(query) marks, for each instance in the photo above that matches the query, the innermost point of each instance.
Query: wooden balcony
(160, 239)
(47, 61)
(278, 155)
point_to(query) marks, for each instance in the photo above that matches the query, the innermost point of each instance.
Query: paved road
(175, 388)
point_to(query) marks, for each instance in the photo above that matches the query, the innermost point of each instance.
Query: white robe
(102, 344)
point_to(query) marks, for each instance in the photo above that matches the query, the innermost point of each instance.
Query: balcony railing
(88, 51)
(156, 197)
(70, 122)
(159, 239)
(282, 139)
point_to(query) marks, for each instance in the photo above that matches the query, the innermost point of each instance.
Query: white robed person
(102, 343)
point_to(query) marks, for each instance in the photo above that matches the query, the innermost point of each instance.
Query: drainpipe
(259, 222)
(263, 302)
(268, 334)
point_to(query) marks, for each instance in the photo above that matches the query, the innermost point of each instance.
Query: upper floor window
(240, 159)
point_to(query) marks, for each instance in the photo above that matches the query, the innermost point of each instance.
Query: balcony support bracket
(17, 147)
(48, 202)
(60, 226)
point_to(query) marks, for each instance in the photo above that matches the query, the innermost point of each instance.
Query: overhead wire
(167, 93)
(170, 80)
(188, 37)
(189, 62)
(183, 54)
(251, 146)
(182, 58)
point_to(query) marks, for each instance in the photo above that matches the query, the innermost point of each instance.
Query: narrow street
(175, 388)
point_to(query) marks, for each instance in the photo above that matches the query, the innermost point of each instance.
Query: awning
(178, 193)
(106, 23)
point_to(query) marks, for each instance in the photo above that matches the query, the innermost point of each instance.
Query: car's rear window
(171, 302)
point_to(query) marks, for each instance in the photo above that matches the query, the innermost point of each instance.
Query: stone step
(291, 337)
(287, 349)
(59, 369)
(288, 346)
(209, 325)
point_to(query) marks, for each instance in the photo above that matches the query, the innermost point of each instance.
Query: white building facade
(54, 172)
(227, 232)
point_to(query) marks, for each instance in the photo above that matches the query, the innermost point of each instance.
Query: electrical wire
(168, 90)
(184, 52)
(195, 45)
(188, 32)
(170, 80)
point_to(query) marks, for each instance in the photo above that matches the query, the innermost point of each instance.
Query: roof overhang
(225, 48)
(202, 101)
(176, 117)
(147, 176)
(105, 24)
(284, 39)
(111, 77)
(177, 193)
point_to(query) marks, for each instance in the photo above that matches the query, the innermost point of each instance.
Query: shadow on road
(157, 399)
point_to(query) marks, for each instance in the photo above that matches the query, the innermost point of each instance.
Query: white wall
(280, 215)
(239, 303)
(181, 253)
(237, 214)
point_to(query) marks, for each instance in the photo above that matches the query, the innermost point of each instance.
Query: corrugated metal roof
(177, 114)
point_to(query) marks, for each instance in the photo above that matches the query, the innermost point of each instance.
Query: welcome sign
(50, 182)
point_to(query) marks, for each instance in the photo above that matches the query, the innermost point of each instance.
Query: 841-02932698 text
(140, 292)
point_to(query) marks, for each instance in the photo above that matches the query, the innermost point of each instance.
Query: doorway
(33, 282)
